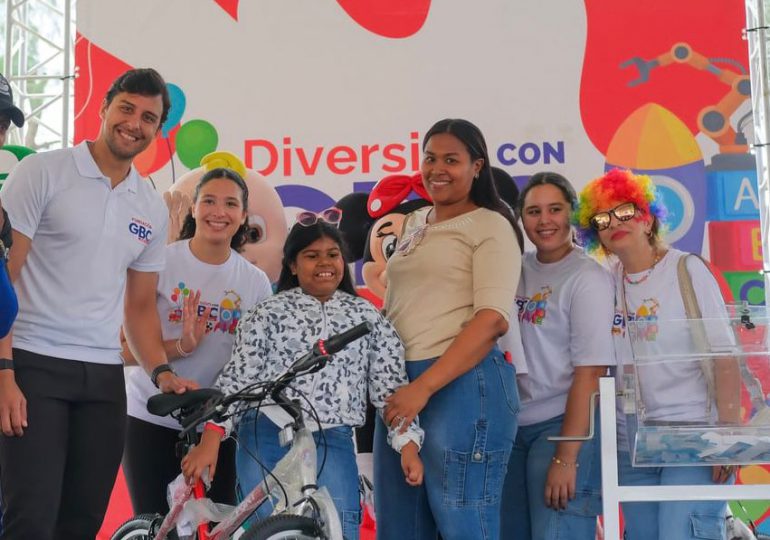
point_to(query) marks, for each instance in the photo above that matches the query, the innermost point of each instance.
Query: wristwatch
(163, 368)
(6, 363)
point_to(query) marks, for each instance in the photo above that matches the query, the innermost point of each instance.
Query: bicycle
(308, 513)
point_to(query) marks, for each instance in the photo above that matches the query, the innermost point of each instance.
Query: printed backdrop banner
(324, 98)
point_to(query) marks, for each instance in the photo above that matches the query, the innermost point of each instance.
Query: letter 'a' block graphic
(732, 195)
(735, 246)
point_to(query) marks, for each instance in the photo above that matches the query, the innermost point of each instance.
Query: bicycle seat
(165, 404)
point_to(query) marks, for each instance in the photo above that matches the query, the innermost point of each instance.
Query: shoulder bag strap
(697, 329)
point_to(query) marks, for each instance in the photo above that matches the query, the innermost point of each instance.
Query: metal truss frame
(21, 69)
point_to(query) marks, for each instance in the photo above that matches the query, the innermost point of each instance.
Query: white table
(613, 494)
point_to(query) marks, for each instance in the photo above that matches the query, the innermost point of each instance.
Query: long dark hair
(483, 191)
(301, 237)
(188, 227)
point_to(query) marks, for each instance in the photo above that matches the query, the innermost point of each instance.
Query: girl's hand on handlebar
(201, 457)
(411, 464)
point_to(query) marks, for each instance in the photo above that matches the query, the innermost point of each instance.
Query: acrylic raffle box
(699, 389)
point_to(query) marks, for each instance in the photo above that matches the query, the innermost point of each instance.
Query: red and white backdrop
(326, 98)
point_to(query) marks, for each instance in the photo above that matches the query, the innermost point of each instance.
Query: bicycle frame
(295, 471)
(295, 475)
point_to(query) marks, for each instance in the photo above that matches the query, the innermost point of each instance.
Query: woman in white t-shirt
(620, 214)
(564, 301)
(202, 293)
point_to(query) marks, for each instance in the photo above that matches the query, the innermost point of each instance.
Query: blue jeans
(258, 436)
(524, 514)
(470, 425)
(675, 520)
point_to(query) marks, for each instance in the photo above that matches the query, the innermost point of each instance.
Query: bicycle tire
(140, 528)
(285, 527)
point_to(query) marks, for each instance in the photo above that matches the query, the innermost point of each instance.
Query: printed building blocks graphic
(748, 286)
(735, 246)
(732, 195)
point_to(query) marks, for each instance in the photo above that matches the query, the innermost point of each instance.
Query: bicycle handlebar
(314, 360)
(324, 348)
(336, 343)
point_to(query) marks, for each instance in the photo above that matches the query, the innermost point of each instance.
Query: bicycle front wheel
(140, 528)
(285, 527)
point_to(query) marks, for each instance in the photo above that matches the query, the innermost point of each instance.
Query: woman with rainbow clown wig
(621, 215)
(564, 302)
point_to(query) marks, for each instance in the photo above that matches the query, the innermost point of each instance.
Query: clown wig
(608, 191)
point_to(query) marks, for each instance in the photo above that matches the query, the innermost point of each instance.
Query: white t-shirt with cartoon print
(671, 391)
(565, 319)
(230, 289)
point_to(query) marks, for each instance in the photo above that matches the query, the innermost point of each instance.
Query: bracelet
(557, 461)
(162, 368)
(210, 426)
(6, 363)
(180, 350)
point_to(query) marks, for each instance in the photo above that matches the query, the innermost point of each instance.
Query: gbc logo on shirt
(141, 229)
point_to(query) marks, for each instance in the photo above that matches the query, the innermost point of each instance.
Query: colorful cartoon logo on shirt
(533, 309)
(141, 229)
(224, 316)
(229, 312)
(646, 321)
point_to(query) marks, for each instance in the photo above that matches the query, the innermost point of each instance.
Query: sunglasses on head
(622, 212)
(331, 216)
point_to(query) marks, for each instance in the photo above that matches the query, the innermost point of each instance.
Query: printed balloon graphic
(194, 140)
(10, 155)
(178, 103)
(157, 154)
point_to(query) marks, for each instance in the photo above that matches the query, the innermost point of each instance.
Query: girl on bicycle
(315, 299)
(201, 295)
(565, 314)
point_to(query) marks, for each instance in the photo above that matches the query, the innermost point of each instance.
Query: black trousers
(150, 465)
(57, 478)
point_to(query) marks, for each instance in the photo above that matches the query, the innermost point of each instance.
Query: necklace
(646, 273)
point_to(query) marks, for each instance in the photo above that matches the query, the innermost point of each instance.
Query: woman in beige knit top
(451, 285)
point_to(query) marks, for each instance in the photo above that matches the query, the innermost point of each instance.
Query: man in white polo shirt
(88, 242)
